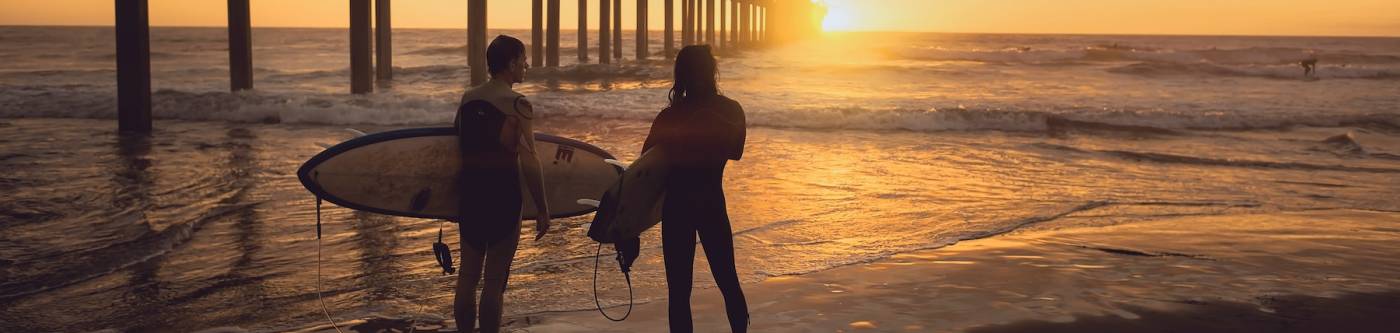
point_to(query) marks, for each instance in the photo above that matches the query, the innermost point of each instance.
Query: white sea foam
(402, 109)
(939, 83)
(1109, 53)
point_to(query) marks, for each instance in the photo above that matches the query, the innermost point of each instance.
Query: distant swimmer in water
(1309, 66)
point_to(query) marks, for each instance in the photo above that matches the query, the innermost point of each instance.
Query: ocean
(861, 146)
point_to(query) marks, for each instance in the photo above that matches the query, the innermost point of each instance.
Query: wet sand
(205, 225)
(1315, 271)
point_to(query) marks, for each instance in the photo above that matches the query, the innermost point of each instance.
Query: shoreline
(1078, 208)
(1259, 272)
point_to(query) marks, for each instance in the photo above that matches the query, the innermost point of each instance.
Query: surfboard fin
(589, 202)
(616, 163)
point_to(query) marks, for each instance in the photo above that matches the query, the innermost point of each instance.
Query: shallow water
(932, 139)
(204, 223)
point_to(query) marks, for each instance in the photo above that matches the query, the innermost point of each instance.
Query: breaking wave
(1287, 72)
(1262, 62)
(1116, 53)
(79, 101)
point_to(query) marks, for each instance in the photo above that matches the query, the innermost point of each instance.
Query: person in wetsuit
(490, 190)
(701, 131)
(1309, 66)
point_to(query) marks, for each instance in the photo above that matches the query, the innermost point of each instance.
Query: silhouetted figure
(703, 131)
(493, 166)
(1309, 66)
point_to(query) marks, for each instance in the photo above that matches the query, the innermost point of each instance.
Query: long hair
(696, 73)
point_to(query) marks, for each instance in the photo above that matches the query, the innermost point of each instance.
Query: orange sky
(1244, 17)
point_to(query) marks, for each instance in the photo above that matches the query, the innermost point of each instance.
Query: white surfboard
(413, 172)
(633, 204)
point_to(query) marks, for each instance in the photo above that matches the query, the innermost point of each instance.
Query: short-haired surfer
(703, 130)
(491, 204)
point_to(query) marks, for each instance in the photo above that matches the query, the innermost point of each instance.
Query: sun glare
(838, 19)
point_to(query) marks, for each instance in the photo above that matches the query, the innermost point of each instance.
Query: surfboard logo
(564, 153)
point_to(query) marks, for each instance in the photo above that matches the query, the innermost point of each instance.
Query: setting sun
(840, 16)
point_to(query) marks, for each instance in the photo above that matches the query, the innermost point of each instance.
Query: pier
(737, 24)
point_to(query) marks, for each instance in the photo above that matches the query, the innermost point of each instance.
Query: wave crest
(1117, 53)
(70, 101)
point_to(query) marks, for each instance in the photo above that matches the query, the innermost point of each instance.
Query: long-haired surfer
(491, 199)
(703, 131)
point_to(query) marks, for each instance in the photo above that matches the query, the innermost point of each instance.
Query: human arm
(657, 131)
(531, 169)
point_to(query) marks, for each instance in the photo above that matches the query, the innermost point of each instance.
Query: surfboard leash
(318, 269)
(626, 273)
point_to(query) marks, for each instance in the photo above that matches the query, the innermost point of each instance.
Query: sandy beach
(1280, 272)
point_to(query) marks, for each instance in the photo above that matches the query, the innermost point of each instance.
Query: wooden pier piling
(552, 35)
(748, 23)
(724, 13)
(240, 46)
(734, 23)
(133, 67)
(669, 38)
(617, 29)
(476, 41)
(582, 31)
(605, 32)
(763, 25)
(537, 33)
(710, 22)
(643, 47)
(687, 16)
(383, 41)
(700, 22)
(695, 15)
(361, 58)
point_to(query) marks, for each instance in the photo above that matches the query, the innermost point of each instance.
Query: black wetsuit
(491, 196)
(491, 200)
(700, 135)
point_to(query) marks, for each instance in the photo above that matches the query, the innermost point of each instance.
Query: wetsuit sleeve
(738, 132)
(659, 132)
(525, 126)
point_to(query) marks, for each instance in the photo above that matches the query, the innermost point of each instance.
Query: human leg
(464, 303)
(498, 260)
(678, 251)
(718, 239)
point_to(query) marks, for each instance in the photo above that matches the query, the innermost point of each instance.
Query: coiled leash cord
(625, 273)
(318, 269)
(445, 259)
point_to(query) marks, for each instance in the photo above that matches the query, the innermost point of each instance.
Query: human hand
(541, 225)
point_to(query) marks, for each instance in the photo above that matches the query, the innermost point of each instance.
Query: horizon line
(832, 31)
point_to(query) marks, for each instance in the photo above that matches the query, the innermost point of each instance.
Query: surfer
(1309, 65)
(703, 130)
(490, 223)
